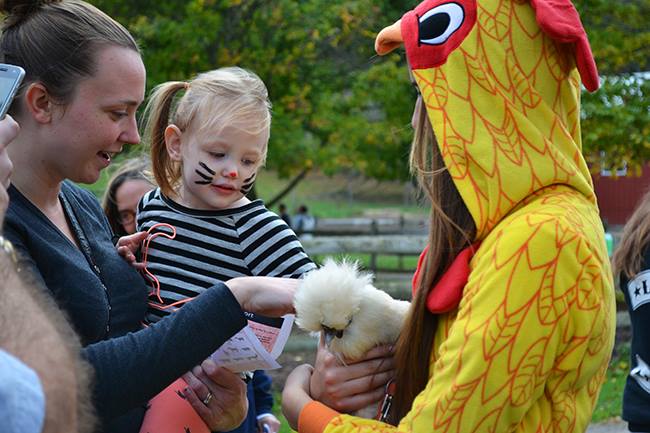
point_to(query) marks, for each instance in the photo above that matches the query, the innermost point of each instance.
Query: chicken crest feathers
(330, 295)
(339, 300)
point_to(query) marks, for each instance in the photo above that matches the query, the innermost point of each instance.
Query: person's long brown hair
(634, 240)
(451, 230)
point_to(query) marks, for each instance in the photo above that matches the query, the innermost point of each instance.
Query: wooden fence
(368, 225)
(397, 282)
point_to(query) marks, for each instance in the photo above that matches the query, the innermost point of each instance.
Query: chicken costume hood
(524, 344)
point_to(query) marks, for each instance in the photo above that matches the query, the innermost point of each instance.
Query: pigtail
(158, 116)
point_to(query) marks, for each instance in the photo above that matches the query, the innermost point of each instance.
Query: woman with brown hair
(84, 82)
(631, 262)
(512, 320)
(123, 192)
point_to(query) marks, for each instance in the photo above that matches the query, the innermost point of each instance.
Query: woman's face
(127, 197)
(92, 128)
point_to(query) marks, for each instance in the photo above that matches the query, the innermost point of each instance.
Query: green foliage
(618, 33)
(616, 123)
(338, 107)
(616, 119)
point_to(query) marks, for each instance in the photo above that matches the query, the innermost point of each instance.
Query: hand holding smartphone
(10, 78)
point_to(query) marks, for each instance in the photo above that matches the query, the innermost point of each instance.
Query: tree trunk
(287, 189)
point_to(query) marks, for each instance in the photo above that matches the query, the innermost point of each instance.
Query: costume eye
(439, 23)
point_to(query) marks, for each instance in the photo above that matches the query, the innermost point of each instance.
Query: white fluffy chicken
(353, 315)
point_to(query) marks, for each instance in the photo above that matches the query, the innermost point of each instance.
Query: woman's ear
(38, 102)
(173, 142)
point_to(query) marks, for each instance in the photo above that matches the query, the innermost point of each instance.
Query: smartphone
(10, 78)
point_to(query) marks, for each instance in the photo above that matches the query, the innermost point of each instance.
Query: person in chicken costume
(512, 320)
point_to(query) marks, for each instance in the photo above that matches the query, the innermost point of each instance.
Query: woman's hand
(128, 246)
(347, 388)
(268, 424)
(217, 395)
(268, 296)
(295, 395)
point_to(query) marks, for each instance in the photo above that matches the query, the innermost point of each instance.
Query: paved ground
(608, 427)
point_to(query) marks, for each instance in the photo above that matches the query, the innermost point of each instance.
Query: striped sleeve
(270, 247)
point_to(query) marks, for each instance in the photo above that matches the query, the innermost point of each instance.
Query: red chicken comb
(560, 20)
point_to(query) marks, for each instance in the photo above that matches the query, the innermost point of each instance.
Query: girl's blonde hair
(223, 97)
(635, 239)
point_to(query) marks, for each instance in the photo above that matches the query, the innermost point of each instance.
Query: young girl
(206, 149)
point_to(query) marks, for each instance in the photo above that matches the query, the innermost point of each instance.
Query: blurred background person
(123, 192)
(631, 263)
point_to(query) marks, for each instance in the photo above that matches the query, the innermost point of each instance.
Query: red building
(618, 196)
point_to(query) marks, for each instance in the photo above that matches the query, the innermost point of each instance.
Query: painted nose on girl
(230, 171)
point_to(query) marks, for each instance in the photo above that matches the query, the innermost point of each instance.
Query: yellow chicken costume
(527, 346)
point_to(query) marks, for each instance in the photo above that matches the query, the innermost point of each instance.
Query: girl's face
(127, 197)
(89, 131)
(218, 169)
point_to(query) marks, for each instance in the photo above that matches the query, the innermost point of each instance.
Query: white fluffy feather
(338, 297)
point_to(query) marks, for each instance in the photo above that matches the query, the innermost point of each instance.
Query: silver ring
(207, 398)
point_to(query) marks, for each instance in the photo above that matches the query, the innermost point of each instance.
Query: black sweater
(636, 397)
(105, 300)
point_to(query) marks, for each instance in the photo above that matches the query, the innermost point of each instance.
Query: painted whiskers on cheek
(206, 178)
(248, 184)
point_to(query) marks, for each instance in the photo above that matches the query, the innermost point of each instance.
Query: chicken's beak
(330, 334)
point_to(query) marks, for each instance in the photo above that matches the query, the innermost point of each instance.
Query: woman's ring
(207, 398)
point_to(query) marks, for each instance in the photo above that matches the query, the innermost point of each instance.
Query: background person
(303, 222)
(123, 192)
(284, 214)
(631, 262)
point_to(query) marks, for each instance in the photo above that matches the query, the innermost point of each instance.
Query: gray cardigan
(105, 300)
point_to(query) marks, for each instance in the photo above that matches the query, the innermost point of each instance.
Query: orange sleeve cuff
(314, 417)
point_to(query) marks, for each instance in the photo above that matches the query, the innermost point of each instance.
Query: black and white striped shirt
(214, 246)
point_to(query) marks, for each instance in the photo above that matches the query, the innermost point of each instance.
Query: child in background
(206, 149)
(125, 189)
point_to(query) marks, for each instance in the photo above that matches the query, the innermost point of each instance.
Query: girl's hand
(268, 296)
(128, 246)
(227, 406)
(347, 388)
(295, 395)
